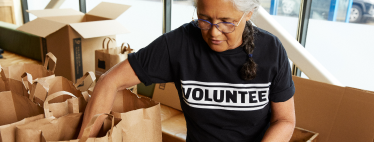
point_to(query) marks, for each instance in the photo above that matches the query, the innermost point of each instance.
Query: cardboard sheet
(41, 27)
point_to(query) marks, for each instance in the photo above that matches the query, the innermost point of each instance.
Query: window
(344, 49)
(181, 12)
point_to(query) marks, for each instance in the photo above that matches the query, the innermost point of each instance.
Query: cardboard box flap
(54, 12)
(41, 27)
(109, 10)
(99, 28)
(316, 105)
(337, 113)
(354, 120)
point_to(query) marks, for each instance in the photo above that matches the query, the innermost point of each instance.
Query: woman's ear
(248, 16)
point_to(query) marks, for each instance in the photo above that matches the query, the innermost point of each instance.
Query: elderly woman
(233, 79)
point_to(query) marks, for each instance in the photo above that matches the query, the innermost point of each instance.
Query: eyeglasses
(224, 27)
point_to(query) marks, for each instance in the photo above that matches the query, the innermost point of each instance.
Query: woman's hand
(117, 78)
(282, 122)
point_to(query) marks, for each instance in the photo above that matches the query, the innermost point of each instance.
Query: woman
(233, 79)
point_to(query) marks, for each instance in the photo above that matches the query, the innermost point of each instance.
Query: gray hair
(243, 5)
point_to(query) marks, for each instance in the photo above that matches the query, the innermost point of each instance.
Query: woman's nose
(214, 31)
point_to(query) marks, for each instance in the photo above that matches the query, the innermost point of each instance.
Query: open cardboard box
(337, 114)
(73, 36)
(302, 135)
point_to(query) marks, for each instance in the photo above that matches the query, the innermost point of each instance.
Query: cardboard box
(73, 36)
(338, 114)
(302, 135)
(167, 94)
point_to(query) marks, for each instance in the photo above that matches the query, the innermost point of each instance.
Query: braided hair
(248, 70)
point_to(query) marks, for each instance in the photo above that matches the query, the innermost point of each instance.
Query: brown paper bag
(8, 132)
(4, 84)
(14, 107)
(140, 116)
(108, 57)
(61, 105)
(11, 76)
(65, 128)
(68, 123)
(113, 134)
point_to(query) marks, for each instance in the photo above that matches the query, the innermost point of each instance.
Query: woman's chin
(218, 48)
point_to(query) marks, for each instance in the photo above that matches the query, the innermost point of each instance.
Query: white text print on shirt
(226, 96)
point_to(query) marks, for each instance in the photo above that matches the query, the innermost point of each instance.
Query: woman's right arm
(117, 78)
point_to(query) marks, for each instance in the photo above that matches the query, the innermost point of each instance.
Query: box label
(77, 42)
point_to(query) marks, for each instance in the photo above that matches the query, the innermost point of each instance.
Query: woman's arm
(117, 78)
(282, 122)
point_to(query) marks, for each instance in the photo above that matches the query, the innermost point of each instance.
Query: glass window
(344, 49)
(181, 12)
(286, 13)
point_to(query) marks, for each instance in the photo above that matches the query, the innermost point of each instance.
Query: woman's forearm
(118, 78)
(279, 131)
(101, 102)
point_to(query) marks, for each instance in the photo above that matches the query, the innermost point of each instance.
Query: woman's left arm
(282, 122)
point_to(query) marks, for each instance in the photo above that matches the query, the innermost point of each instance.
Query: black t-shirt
(218, 105)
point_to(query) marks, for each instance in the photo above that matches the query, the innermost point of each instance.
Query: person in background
(233, 79)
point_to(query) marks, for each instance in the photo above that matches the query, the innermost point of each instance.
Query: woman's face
(216, 11)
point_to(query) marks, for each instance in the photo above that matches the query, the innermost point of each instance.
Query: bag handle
(109, 40)
(3, 77)
(85, 95)
(126, 48)
(45, 86)
(49, 55)
(31, 84)
(27, 83)
(52, 96)
(87, 130)
(80, 80)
